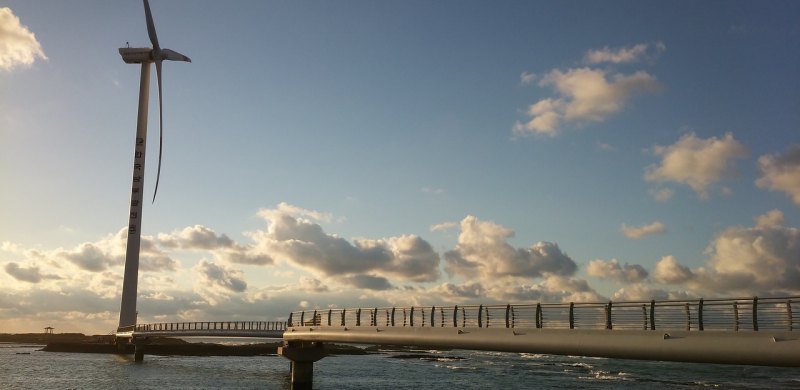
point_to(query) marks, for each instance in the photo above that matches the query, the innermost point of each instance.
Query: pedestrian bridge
(266, 329)
(748, 331)
(736, 331)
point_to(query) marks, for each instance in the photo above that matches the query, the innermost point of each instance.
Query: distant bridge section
(266, 329)
(733, 330)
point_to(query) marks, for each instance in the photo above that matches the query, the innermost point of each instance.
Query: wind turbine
(144, 56)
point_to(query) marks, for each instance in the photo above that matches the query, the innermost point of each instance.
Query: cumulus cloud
(195, 237)
(108, 252)
(781, 172)
(636, 232)
(310, 285)
(699, 163)
(369, 282)
(629, 273)
(635, 53)
(291, 235)
(483, 252)
(766, 256)
(30, 274)
(220, 276)
(460, 293)
(668, 270)
(18, 45)
(584, 95)
(644, 292)
(202, 238)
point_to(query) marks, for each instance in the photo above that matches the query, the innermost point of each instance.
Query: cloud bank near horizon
(328, 270)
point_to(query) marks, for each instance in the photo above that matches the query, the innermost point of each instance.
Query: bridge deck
(734, 331)
(206, 329)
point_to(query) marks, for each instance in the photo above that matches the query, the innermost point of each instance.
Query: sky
(354, 153)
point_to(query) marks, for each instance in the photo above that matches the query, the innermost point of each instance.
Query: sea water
(26, 367)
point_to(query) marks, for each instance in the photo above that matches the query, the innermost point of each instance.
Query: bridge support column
(138, 354)
(302, 354)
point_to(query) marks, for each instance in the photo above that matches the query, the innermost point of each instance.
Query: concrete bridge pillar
(302, 354)
(140, 347)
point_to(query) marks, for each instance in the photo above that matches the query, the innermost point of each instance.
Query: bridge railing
(728, 314)
(211, 326)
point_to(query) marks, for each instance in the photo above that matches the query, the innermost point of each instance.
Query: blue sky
(398, 153)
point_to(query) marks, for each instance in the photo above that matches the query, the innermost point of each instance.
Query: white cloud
(635, 53)
(699, 163)
(663, 194)
(444, 226)
(759, 260)
(30, 274)
(195, 237)
(628, 273)
(636, 232)
(483, 252)
(18, 45)
(368, 282)
(639, 292)
(527, 78)
(201, 238)
(668, 270)
(773, 218)
(766, 257)
(585, 95)
(218, 283)
(781, 172)
(305, 244)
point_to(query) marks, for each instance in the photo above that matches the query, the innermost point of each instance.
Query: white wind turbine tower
(144, 56)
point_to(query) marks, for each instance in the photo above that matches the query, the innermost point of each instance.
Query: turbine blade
(173, 55)
(160, 127)
(151, 28)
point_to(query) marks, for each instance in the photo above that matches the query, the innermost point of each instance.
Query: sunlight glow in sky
(336, 154)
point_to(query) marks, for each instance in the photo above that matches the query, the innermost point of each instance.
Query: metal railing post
(644, 317)
(411, 317)
(508, 314)
(700, 315)
(572, 315)
(653, 314)
(609, 324)
(755, 314)
(343, 316)
(538, 315)
(480, 316)
(735, 316)
(358, 317)
(789, 313)
(392, 316)
(433, 313)
(688, 317)
(455, 316)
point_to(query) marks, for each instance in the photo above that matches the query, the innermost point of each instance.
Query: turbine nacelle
(139, 55)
